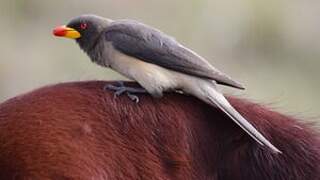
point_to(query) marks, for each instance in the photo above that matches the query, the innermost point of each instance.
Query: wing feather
(152, 46)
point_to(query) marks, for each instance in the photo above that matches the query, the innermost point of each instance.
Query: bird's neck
(95, 52)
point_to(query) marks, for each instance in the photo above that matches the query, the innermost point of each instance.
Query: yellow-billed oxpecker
(155, 60)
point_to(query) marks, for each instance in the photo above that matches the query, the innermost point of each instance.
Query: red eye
(83, 25)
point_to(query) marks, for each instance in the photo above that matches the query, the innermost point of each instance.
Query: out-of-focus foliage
(273, 46)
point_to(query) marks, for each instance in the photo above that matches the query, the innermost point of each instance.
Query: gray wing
(150, 45)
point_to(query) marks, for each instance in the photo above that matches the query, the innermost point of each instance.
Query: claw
(119, 90)
(133, 97)
(110, 87)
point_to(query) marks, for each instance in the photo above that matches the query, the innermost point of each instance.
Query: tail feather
(221, 102)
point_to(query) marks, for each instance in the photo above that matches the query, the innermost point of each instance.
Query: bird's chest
(122, 63)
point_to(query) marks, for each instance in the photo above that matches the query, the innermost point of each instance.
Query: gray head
(85, 29)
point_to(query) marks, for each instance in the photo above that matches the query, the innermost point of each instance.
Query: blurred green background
(272, 47)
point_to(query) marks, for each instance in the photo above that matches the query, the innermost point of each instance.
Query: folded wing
(152, 46)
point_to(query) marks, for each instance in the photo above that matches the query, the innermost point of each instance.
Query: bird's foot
(121, 88)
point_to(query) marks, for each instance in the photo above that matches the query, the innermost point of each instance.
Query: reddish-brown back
(78, 131)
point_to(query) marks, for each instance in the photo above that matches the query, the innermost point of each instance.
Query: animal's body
(77, 131)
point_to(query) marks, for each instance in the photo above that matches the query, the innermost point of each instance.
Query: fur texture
(78, 131)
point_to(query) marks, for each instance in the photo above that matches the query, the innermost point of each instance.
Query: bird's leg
(121, 88)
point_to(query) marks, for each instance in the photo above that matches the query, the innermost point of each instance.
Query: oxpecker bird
(155, 60)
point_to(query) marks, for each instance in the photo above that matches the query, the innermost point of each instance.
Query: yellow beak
(64, 31)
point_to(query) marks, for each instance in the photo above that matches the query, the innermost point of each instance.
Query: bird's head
(85, 29)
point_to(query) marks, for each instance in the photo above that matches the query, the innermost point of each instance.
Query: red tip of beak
(60, 31)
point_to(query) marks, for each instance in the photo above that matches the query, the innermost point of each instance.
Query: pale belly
(153, 78)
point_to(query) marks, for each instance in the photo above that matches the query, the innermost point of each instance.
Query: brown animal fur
(78, 131)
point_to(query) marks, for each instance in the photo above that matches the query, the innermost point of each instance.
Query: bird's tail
(216, 98)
